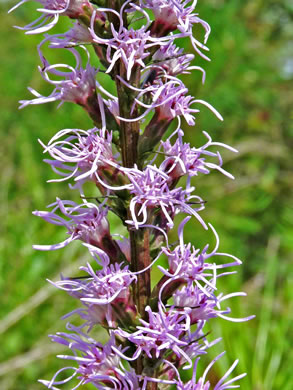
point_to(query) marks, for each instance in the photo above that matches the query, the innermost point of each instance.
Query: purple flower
(163, 332)
(202, 383)
(86, 222)
(185, 160)
(169, 100)
(153, 331)
(176, 14)
(78, 86)
(80, 154)
(129, 45)
(200, 306)
(100, 292)
(93, 315)
(173, 102)
(172, 60)
(152, 193)
(50, 11)
(169, 60)
(190, 264)
(101, 287)
(97, 363)
(78, 34)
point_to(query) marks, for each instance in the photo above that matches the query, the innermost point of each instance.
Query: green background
(250, 82)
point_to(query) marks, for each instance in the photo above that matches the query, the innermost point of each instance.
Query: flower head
(203, 384)
(77, 35)
(182, 159)
(100, 287)
(129, 45)
(190, 266)
(152, 193)
(173, 103)
(50, 12)
(96, 363)
(177, 14)
(79, 153)
(162, 333)
(200, 307)
(172, 59)
(86, 222)
(169, 100)
(78, 86)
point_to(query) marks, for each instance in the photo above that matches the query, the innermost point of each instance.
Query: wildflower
(104, 293)
(163, 332)
(185, 160)
(80, 154)
(151, 193)
(100, 287)
(78, 86)
(50, 12)
(97, 363)
(202, 384)
(200, 306)
(86, 222)
(189, 265)
(172, 59)
(176, 14)
(78, 34)
(153, 330)
(169, 100)
(131, 46)
(173, 103)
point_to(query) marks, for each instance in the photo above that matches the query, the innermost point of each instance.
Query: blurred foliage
(250, 81)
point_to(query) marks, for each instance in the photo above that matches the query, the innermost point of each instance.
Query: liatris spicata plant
(143, 171)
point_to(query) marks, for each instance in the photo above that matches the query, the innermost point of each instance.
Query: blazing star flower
(200, 306)
(128, 45)
(175, 14)
(165, 99)
(169, 60)
(169, 100)
(201, 383)
(185, 160)
(93, 315)
(173, 102)
(78, 86)
(50, 12)
(79, 153)
(87, 222)
(97, 363)
(173, 60)
(189, 265)
(101, 287)
(151, 191)
(78, 34)
(153, 332)
(104, 293)
(162, 333)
